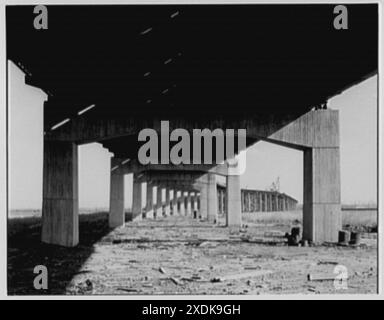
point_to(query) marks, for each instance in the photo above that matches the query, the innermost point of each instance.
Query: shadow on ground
(25, 251)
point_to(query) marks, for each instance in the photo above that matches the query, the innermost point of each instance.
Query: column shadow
(25, 251)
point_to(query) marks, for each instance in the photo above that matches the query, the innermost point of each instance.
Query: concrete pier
(136, 197)
(175, 202)
(149, 203)
(212, 198)
(60, 221)
(322, 209)
(233, 201)
(193, 203)
(182, 203)
(317, 134)
(159, 202)
(167, 208)
(188, 202)
(204, 201)
(116, 202)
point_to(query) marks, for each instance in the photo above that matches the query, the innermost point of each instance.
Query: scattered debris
(252, 267)
(294, 238)
(127, 289)
(327, 262)
(344, 237)
(208, 244)
(237, 262)
(355, 238)
(85, 287)
(314, 277)
(241, 276)
(162, 270)
(175, 281)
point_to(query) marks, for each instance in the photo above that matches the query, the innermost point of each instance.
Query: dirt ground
(179, 255)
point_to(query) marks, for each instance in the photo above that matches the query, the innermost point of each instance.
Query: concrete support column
(212, 198)
(116, 195)
(204, 201)
(221, 199)
(264, 202)
(233, 201)
(188, 204)
(269, 202)
(321, 194)
(193, 202)
(174, 203)
(149, 205)
(167, 202)
(60, 221)
(182, 203)
(274, 202)
(136, 198)
(159, 202)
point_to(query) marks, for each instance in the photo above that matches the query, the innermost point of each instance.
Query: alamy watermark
(202, 139)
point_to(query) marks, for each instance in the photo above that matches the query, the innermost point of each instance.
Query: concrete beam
(86, 130)
(196, 169)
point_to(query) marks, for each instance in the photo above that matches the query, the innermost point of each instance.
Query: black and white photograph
(192, 149)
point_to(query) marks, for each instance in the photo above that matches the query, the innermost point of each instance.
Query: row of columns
(258, 201)
(180, 203)
(200, 203)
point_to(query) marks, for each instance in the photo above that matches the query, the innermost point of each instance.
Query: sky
(265, 162)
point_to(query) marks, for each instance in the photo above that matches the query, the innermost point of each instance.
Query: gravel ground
(179, 255)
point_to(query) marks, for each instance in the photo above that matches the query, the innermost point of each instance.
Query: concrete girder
(132, 165)
(84, 130)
